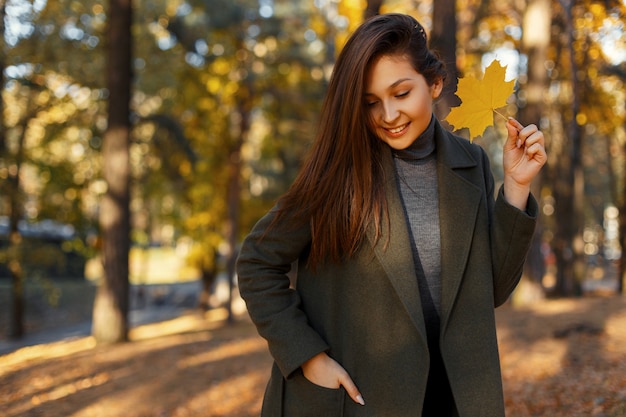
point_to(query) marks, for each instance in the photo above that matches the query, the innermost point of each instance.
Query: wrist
(516, 194)
(311, 361)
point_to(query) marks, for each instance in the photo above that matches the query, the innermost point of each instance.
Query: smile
(397, 130)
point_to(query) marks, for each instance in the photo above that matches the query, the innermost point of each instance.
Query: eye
(371, 103)
(403, 94)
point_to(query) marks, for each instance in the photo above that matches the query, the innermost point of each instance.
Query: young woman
(403, 248)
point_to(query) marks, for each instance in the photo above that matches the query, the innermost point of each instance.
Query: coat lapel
(459, 200)
(396, 258)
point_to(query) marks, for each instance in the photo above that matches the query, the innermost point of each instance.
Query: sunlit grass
(159, 265)
(190, 322)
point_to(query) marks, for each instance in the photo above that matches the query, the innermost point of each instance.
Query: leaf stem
(500, 114)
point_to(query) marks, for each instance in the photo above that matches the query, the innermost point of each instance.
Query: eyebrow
(393, 85)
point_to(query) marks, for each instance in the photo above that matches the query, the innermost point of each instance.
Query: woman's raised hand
(523, 156)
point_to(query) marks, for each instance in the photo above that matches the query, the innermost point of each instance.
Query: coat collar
(459, 200)
(458, 208)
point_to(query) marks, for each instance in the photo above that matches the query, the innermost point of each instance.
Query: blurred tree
(225, 106)
(531, 99)
(250, 80)
(581, 173)
(620, 185)
(570, 100)
(110, 312)
(42, 105)
(616, 71)
(3, 52)
(569, 180)
(372, 8)
(15, 252)
(443, 40)
(230, 87)
(11, 188)
(535, 43)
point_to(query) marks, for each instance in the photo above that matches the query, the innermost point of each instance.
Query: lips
(396, 131)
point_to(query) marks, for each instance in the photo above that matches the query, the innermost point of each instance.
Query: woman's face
(399, 100)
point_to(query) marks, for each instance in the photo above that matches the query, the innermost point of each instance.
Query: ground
(560, 358)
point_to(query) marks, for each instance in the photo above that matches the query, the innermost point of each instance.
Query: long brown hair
(340, 188)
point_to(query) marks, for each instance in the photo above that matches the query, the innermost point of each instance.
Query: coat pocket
(302, 398)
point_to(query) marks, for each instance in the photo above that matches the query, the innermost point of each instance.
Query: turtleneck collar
(422, 147)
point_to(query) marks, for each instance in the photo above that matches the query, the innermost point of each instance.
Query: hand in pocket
(324, 371)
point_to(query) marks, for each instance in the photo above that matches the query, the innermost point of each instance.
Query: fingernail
(519, 143)
(359, 399)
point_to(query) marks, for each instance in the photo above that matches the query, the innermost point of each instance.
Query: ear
(435, 89)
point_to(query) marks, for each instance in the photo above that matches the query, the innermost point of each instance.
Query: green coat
(366, 313)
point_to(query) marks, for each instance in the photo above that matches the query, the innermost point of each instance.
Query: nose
(390, 112)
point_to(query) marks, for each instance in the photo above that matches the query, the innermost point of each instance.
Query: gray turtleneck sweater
(416, 175)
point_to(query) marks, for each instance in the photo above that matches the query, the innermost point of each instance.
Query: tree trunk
(443, 40)
(110, 311)
(233, 199)
(537, 22)
(569, 192)
(621, 206)
(208, 278)
(232, 226)
(16, 250)
(16, 314)
(2, 80)
(372, 8)
(208, 272)
(620, 198)
(621, 265)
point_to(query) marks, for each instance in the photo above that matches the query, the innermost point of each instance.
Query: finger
(528, 131)
(537, 152)
(351, 389)
(536, 137)
(513, 127)
(514, 123)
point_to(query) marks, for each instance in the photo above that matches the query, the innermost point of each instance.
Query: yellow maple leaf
(480, 99)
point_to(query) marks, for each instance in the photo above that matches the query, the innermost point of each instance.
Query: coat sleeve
(511, 235)
(511, 232)
(266, 256)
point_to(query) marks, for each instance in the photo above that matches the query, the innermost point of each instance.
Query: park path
(560, 358)
(148, 304)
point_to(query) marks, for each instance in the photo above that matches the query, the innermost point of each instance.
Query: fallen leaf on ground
(560, 358)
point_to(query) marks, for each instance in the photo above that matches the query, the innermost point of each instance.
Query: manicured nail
(359, 399)
(519, 143)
